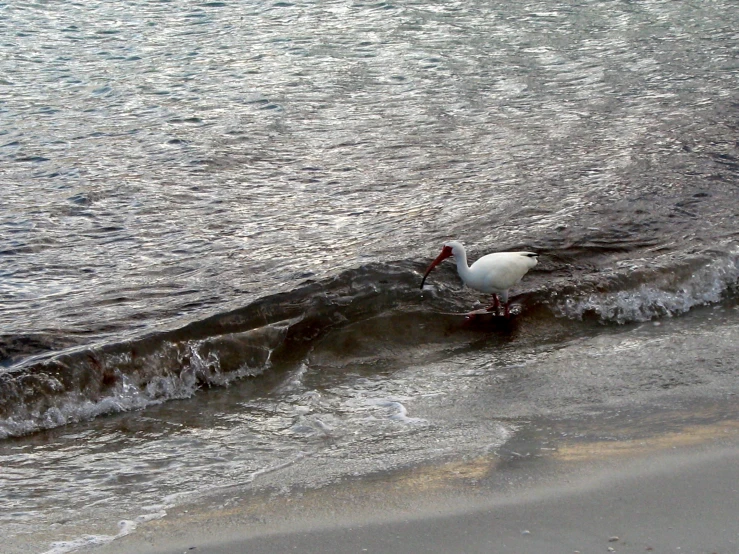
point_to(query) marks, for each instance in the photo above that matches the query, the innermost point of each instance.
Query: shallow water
(464, 392)
(215, 218)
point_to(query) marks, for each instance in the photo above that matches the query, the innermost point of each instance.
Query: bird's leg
(495, 305)
(506, 304)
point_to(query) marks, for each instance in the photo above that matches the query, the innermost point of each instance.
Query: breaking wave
(262, 337)
(268, 338)
(671, 291)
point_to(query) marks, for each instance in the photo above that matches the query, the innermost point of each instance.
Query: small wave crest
(54, 394)
(668, 291)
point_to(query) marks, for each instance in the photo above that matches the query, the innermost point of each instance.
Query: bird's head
(450, 249)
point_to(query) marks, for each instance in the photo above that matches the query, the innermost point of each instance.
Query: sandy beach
(676, 492)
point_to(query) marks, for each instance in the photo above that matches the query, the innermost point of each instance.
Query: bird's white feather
(493, 273)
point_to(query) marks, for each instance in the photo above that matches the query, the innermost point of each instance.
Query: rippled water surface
(164, 159)
(215, 216)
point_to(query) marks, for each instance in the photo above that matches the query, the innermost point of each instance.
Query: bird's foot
(495, 305)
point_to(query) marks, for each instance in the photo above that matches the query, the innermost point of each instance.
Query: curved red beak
(446, 252)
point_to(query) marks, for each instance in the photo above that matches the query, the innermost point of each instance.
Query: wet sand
(677, 492)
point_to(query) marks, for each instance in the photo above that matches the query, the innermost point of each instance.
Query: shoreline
(674, 491)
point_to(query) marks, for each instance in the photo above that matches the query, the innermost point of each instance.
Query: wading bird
(492, 274)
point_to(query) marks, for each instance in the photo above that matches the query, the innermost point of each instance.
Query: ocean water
(215, 217)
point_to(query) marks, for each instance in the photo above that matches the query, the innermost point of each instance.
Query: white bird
(492, 274)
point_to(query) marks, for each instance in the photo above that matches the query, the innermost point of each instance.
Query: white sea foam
(705, 286)
(397, 411)
(125, 527)
(72, 408)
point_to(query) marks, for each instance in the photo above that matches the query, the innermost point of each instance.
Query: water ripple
(217, 148)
